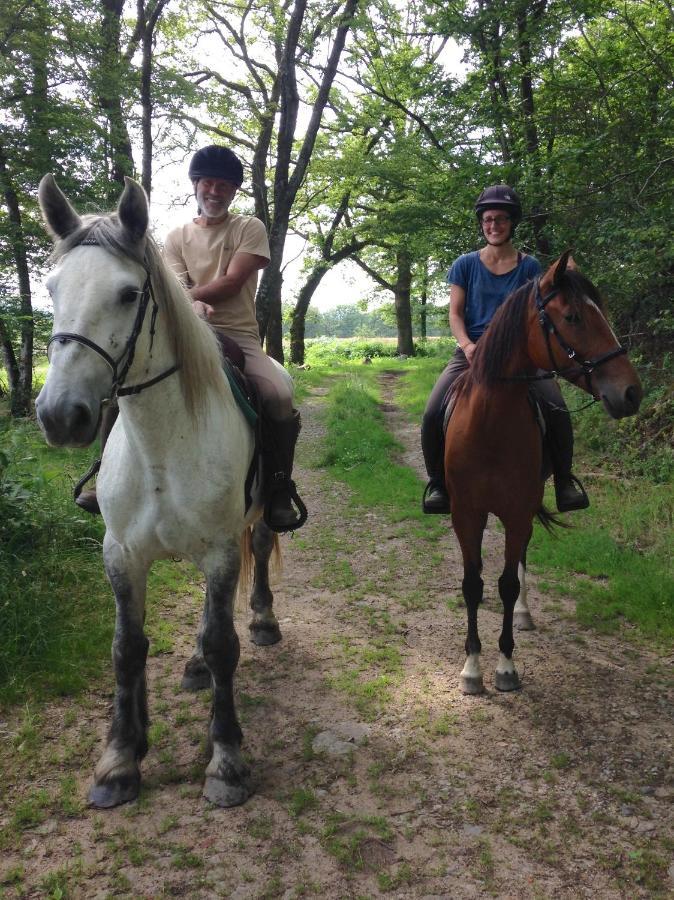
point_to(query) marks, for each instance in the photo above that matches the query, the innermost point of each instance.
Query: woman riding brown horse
(493, 445)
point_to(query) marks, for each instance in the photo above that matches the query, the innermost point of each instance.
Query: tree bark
(110, 96)
(403, 308)
(297, 327)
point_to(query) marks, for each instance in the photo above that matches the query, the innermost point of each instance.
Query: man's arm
(209, 297)
(457, 320)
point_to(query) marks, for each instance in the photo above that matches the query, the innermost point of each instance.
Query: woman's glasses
(495, 220)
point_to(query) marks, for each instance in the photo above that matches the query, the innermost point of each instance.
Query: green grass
(56, 607)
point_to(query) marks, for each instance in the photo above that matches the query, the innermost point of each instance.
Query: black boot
(87, 500)
(569, 493)
(436, 499)
(284, 509)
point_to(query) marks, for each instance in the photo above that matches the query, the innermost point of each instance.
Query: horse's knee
(472, 586)
(509, 588)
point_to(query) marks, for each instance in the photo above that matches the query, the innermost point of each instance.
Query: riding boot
(87, 500)
(284, 509)
(569, 492)
(435, 500)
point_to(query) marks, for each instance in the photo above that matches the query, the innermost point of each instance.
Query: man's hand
(203, 310)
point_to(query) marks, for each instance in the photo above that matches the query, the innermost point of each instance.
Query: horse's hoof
(197, 676)
(523, 621)
(220, 793)
(264, 634)
(507, 681)
(471, 684)
(113, 793)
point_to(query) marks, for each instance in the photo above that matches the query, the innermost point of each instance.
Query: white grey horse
(173, 477)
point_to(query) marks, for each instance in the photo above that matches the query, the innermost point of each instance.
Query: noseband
(583, 367)
(128, 353)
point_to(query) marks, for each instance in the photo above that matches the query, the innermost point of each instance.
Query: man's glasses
(495, 220)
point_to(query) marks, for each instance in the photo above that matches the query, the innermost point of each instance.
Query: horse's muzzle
(620, 403)
(65, 422)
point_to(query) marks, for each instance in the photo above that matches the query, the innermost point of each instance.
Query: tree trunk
(300, 312)
(403, 308)
(423, 311)
(286, 186)
(110, 96)
(21, 370)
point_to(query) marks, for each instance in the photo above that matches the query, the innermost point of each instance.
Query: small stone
(626, 810)
(329, 743)
(472, 830)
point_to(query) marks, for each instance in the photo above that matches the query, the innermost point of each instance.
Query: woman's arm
(457, 320)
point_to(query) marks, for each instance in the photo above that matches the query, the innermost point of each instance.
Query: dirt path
(374, 776)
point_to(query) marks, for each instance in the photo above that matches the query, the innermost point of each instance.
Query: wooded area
(356, 136)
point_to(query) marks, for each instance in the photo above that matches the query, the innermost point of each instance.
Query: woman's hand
(469, 350)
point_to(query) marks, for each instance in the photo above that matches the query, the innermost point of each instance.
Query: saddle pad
(245, 405)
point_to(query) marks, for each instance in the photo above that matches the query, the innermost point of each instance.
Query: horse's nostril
(633, 397)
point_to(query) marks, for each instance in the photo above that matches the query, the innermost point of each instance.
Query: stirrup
(438, 508)
(91, 506)
(285, 485)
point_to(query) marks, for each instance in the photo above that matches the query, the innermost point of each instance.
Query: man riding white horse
(217, 256)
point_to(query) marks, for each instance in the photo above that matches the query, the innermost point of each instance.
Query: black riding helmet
(499, 196)
(216, 162)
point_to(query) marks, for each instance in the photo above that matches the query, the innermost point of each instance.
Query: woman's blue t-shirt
(485, 292)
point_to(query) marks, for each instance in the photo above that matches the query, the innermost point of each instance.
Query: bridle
(127, 355)
(583, 367)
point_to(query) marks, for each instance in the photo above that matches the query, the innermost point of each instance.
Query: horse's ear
(132, 209)
(564, 262)
(59, 216)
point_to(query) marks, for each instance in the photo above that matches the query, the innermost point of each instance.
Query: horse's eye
(572, 318)
(128, 295)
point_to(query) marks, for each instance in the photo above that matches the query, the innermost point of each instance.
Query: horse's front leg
(264, 627)
(469, 534)
(117, 775)
(227, 775)
(506, 678)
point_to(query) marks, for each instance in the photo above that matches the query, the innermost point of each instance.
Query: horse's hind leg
(522, 617)
(227, 775)
(117, 775)
(264, 627)
(197, 675)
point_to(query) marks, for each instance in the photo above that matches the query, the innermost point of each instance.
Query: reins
(129, 351)
(572, 373)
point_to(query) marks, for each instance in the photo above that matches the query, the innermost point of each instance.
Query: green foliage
(55, 612)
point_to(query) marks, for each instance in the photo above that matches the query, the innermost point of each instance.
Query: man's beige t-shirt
(199, 255)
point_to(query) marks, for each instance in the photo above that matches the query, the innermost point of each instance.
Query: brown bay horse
(494, 448)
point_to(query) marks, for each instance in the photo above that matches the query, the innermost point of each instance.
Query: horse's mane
(507, 334)
(194, 345)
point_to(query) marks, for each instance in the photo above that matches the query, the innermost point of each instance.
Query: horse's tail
(248, 563)
(550, 520)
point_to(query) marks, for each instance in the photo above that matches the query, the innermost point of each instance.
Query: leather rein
(128, 353)
(571, 373)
